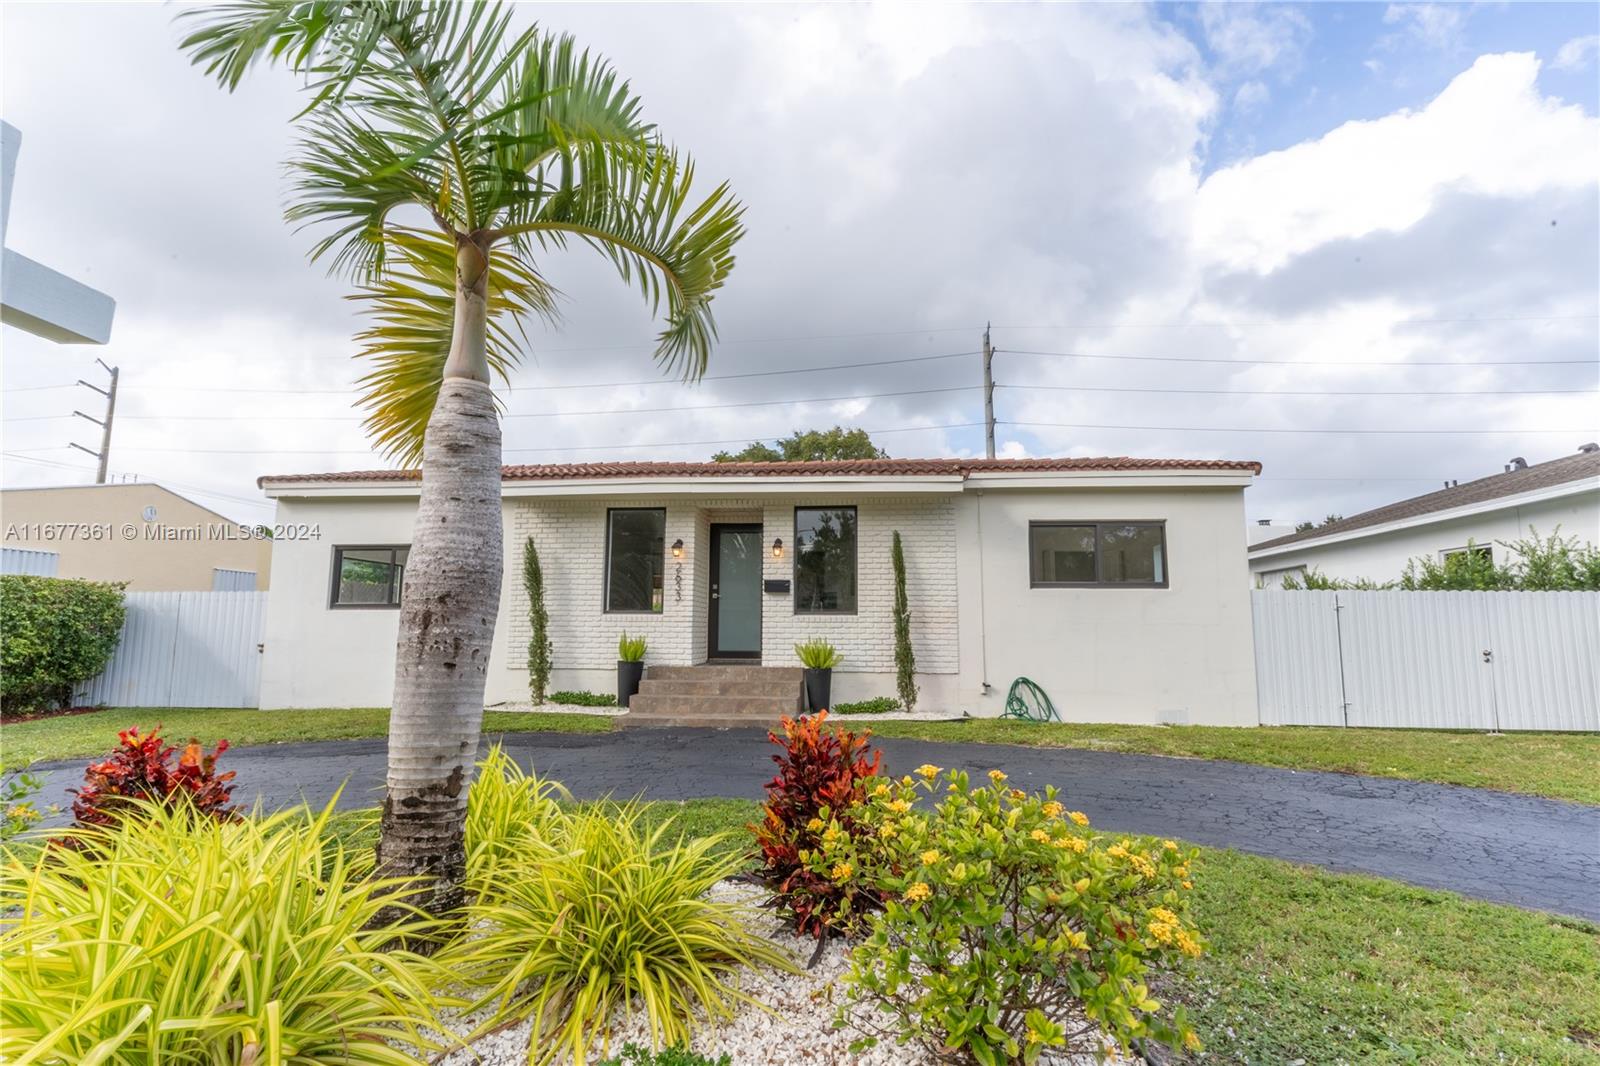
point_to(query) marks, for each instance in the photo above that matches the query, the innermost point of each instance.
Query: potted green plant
(819, 658)
(630, 667)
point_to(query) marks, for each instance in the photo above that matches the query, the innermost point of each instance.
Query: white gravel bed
(797, 1030)
(526, 707)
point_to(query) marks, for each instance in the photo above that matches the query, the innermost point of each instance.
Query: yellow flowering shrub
(1009, 926)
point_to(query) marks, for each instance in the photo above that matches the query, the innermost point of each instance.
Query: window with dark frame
(824, 560)
(636, 539)
(1097, 554)
(1477, 551)
(368, 575)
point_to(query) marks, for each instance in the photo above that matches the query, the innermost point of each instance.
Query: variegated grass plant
(508, 811)
(173, 938)
(596, 914)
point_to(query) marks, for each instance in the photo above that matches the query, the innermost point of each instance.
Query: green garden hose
(1027, 702)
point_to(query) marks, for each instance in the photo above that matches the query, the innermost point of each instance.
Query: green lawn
(1338, 968)
(79, 735)
(1557, 765)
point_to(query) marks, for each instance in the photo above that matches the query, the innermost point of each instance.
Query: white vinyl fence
(1429, 660)
(185, 649)
(29, 561)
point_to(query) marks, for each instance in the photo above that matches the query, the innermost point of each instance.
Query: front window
(635, 549)
(369, 576)
(825, 560)
(1113, 554)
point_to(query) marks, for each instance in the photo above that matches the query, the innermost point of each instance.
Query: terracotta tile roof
(1510, 483)
(838, 468)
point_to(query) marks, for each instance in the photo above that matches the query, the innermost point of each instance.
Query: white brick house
(1116, 584)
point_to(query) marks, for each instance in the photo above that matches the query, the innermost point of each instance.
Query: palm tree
(439, 155)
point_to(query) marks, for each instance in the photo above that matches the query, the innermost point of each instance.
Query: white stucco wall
(1382, 556)
(1182, 653)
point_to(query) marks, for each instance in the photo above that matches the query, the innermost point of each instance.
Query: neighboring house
(141, 533)
(1377, 544)
(1119, 585)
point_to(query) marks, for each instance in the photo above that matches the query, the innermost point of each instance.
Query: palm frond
(412, 308)
(632, 205)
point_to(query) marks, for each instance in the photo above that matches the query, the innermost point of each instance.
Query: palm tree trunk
(447, 614)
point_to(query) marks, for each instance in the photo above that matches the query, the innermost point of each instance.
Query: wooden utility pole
(110, 393)
(988, 394)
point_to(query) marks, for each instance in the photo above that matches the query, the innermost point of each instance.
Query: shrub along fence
(185, 649)
(1429, 660)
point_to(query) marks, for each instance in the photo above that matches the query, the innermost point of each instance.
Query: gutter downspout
(983, 612)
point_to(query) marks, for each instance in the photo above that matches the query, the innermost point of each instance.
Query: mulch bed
(13, 717)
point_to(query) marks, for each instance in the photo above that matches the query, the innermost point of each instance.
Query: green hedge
(55, 633)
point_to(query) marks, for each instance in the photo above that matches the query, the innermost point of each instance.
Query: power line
(1261, 429)
(1306, 392)
(1342, 318)
(1300, 362)
(564, 448)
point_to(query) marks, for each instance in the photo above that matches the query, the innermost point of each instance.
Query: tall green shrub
(905, 660)
(539, 646)
(55, 633)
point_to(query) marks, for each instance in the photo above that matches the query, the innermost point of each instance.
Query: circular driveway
(1536, 853)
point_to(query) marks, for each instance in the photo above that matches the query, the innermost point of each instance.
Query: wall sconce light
(677, 548)
(777, 547)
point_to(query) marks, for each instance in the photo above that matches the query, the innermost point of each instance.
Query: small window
(1096, 554)
(369, 577)
(1483, 552)
(824, 560)
(635, 550)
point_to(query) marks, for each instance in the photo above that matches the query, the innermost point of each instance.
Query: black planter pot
(819, 689)
(628, 677)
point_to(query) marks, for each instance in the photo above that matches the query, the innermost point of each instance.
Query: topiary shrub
(905, 660)
(823, 773)
(1009, 928)
(55, 634)
(539, 646)
(141, 771)
(875, 705)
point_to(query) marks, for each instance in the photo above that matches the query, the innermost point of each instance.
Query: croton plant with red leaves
(822, 771)
(142, 768)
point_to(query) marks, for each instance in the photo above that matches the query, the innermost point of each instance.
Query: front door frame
(712, 592)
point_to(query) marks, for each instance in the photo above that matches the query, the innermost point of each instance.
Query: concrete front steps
(715, 695)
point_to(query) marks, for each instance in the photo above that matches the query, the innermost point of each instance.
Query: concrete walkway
(1536, 853)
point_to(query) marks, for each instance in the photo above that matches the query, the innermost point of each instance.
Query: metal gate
(1429, 660)
(185, 649)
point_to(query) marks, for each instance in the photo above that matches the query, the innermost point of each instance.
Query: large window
(635, 550)
(368, 576)
(825, 560)
(1095, 554)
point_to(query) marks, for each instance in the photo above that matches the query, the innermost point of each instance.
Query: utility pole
(988, 394)
(104, 454)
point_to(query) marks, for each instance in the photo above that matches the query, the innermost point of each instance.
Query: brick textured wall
(570, 534)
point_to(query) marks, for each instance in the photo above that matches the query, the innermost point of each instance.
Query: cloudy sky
(1356, 242)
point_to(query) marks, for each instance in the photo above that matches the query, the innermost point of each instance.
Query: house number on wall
(677, 583)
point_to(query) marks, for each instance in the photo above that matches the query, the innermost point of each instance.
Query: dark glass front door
(735, 614)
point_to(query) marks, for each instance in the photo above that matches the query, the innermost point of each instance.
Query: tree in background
(539, 646)
(905, 660)
(812, 445)
(440, 156)
(1307, 527)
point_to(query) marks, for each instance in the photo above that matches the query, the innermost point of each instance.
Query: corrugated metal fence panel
(223, 580)
(185, 649)
(29, 561)
(1416, 659)
(1299, 628)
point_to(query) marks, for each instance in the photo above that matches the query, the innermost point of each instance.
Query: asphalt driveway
(1535, 853)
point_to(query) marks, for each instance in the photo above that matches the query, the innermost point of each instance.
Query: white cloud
(1576, 53)
(1251, 96)
(1490, 131)
(1433, 25)
(1250, 38)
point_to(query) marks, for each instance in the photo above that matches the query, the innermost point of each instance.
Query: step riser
(672, 687)
(731, 706)
(774, 674)
(694, 721)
